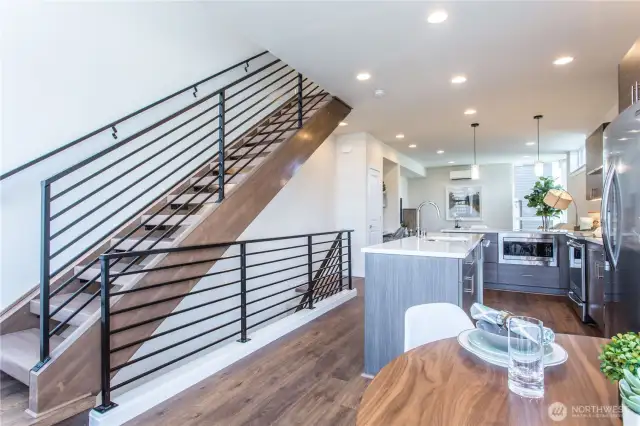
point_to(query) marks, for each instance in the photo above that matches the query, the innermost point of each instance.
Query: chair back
(433, 321)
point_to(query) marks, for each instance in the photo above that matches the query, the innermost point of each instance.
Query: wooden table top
(441, 384)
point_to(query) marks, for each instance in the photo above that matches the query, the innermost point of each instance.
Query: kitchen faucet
(418, 228)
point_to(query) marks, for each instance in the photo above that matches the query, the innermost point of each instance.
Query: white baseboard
(136, 401)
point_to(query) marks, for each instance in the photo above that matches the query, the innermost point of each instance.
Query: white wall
(356, 154)
(68, 68)
(306, 204)
(497, 196)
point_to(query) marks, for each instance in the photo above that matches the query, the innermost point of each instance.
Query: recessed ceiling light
(437, 17)
(400, 136)
(363, 76)
(470, 112)
(378, 93)
(343, 123)
(530, 143)
(526, 156)
(634, 131)
(458, 79)
(451, 162)
(412, 145)
(623, 139)
(440, 152)
(564, 60)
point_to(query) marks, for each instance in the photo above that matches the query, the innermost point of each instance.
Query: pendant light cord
(474, 125)
(537, 118)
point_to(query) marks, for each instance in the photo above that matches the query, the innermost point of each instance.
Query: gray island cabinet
(399, 274)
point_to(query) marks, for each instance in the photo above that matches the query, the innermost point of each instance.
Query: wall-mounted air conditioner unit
(460, 174)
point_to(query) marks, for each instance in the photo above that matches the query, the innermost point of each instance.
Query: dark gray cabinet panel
(491, 252)
(594, 145)
(563, 261)
(596, 283)
(490, 272)
(526, 275)
(628, 75)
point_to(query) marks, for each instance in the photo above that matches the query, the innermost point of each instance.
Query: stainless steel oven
(528, 249)
(578, 278)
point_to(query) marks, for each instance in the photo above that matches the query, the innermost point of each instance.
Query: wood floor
(311, 376)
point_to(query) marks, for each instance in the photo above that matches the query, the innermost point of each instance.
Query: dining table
(442, 384)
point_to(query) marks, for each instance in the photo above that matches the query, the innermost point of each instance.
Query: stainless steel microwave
(527, 249)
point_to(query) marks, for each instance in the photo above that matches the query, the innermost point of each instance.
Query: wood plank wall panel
(74, 368)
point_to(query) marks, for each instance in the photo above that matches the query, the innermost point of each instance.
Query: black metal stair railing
(252, 283)
(218, 131)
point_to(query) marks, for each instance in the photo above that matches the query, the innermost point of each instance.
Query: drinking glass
(526, 351)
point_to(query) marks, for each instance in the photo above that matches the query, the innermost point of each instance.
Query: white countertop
(414, 246)
(503, 231)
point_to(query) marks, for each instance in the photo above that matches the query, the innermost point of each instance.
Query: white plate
(557, 356)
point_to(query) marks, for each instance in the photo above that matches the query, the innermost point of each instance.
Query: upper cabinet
(629, 77)
(594, 161)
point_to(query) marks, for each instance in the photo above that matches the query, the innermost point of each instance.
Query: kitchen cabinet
(594, 161)
(595, 283)
(529, 275)
(628, 76)
(563, 261)
(471, 278)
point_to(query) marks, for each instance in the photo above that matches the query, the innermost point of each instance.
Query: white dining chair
(433, 321)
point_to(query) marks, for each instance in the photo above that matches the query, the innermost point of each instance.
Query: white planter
(629, 418)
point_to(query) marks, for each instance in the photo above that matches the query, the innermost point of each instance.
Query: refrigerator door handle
(604, 208)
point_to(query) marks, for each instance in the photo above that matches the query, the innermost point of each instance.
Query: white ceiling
(505, 49)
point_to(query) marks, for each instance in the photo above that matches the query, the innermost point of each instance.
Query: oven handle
(575, 245)
(574, 299)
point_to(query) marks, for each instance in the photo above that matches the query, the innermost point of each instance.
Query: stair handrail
(115, 123)
(292, 100)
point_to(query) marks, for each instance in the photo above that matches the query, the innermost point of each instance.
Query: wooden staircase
(259, 164)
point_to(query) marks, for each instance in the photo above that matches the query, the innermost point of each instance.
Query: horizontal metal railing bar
(126, 188)
(73, 314)
(232, 118)
(228, 132)
(329, 241)
(216, 245)
(109, 216)
(177, 265)
(231, 108)
(275, 282)
(276, 315)
(166, 348)
(120, 120)
(170, 314)
(165, 283)
(166, 364)
(275, 304)
(151, 127)
(228, 97)
(174, 297)
(276, 272)
(276, 293)
(276, 260)
(278, 249)
(164, 333)
(119, 160)
(131, 217)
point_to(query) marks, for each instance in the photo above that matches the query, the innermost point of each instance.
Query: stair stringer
(74, 369)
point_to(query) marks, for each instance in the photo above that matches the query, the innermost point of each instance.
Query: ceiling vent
(460, 174)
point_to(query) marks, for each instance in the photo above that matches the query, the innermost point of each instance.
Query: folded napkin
(489, 315)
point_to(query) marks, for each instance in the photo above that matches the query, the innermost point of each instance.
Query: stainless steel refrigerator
(621, 221)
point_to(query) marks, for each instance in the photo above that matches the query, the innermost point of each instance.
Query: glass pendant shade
(538, 168)
(475, 172)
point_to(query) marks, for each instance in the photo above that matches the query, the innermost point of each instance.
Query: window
(577, 160)
(524, 178)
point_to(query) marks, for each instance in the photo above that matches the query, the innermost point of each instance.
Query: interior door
(374, 207)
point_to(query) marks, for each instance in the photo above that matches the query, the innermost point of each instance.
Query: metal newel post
(349, 245)
(105, 338)
(243, 293)
(221, 171)
(341, 262)
(310, 269)
(45, 247)
(299, 101)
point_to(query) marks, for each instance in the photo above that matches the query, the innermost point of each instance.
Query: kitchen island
(441, 267)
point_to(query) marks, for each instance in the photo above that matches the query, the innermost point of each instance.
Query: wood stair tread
(94, 271)
(70, 308)
(174, 220)
(129, 243)
(21, 352)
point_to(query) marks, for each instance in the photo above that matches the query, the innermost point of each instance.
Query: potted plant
(630, 394)
(535, 200)
(620, 355)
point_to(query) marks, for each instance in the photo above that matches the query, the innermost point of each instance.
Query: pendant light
(475, 169)
(538, 166)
